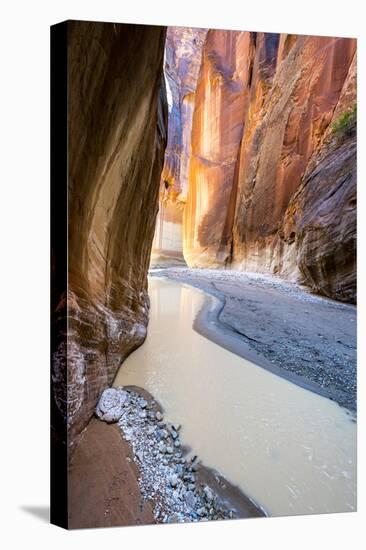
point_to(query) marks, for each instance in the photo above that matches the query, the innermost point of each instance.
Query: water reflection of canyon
(292, 451)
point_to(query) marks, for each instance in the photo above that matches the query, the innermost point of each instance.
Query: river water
(289, 449)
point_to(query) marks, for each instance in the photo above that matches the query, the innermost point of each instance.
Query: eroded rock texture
(263, 115)
(320, 220)
(182, 63)
(217, 129)
(117, 137)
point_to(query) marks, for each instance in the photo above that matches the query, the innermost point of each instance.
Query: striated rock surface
(218, 120)
(320, 221)
(117, 136)
(264, 106)
(182, 62)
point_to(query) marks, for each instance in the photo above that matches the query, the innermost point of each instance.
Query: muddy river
(289, 449)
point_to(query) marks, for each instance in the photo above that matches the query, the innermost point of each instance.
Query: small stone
(158, 415)
(173, 480)
(140, 456)
(190, 499)
(177, 443)
(169, 449)
(162, 447)
(209, 495)
(128, 459)
(201, 511)
(174, 434)
(143, 414)
(143, 403)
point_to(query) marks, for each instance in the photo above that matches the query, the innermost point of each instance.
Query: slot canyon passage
(210, 364)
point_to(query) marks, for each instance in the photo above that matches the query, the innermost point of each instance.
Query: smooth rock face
(264, 105)
(117, 136)
(182, 62)
(217, 129)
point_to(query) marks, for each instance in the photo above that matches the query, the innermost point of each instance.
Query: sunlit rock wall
(278, 143)
(220, 105)
(117, 137)
(264, 104)
(182, 62)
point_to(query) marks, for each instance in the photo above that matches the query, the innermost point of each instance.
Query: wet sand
(103, 486)
(104, 489)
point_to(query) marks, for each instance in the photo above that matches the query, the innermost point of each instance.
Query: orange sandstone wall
(222, 100)
(263, 106)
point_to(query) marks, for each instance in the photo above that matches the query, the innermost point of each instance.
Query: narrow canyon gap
(253, 170)
(256, 178)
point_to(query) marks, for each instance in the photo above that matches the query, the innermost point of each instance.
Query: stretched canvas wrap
(203, 274)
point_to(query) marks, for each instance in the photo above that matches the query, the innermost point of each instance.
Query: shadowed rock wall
(117, 137)
(182, 62)
(320, 221)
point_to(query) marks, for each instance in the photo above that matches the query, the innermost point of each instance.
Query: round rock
(110, 405)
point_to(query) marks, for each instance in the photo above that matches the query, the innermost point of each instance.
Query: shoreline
(227, 324)
(119, 462)
(207, 324)
(120, 474)
(146, 430)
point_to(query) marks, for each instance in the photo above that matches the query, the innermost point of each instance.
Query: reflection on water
(289, 449)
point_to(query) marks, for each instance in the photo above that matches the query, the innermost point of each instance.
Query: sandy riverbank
(136, 472)
(103, 481)
(306, 338)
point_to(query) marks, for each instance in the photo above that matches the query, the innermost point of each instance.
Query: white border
(24, 222)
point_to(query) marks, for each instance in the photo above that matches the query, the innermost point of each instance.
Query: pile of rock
(167, 476)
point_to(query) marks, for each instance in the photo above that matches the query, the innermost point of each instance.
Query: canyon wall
(182, 62)
(320, 221)
(117, 137)
(266, 106)
(220, 105)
